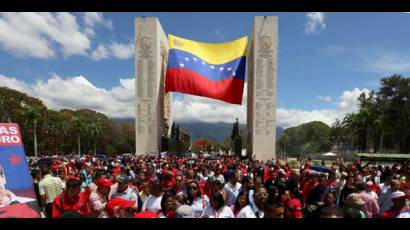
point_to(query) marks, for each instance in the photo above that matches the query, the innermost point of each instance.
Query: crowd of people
(222, 187)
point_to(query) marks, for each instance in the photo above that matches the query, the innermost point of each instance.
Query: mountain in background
(214, 131)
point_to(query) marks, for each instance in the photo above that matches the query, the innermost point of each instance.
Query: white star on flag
(186, 59)
(233, 73)
(229, 69)
(182, 65)
(212, 67)
(222, 68)
(195, 59)
(203, 63)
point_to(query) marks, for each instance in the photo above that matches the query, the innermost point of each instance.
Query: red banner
(10, 135)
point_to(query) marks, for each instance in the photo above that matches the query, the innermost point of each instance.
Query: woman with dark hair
(242, 209)
(196, 200)
(217, 209)
(347, 189)
(166, 205)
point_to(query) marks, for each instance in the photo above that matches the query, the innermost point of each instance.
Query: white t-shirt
(246, 212)
(232, 192)
(152, 203)
(224, 212)
(198, 205)
(373, 194)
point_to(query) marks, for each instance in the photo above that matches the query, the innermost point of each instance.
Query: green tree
(78, 124)
(32, 115)
(95, 131)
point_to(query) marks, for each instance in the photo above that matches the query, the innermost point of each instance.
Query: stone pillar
(261, 108)
(152, 107)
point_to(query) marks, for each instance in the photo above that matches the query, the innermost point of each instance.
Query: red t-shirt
(389, 214)
(116, 170)
(80, 205)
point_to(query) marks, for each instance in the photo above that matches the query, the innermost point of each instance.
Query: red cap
(118, 203)
(103, 182)
(295, 206)
(146, 214)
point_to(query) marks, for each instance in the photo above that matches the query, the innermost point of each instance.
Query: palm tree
(95, 131)
(32, 116)
(379, 126)
(78, 124)
(350, 122)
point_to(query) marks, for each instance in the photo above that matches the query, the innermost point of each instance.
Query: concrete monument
(261, 108)
(152, 106)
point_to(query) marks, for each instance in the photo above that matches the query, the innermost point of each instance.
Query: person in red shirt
(293, 208)
(311, 181)
(72, 199)
(121, 208)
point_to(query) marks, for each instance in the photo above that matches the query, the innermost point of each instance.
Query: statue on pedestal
(236, 139)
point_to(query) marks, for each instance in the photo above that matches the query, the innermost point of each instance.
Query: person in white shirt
(232, 188)
(385, 201)
(385, 185)
(242, 208)
(340, 183)
(260, 197)
(153, 201)
(217, 209)
(196, 200)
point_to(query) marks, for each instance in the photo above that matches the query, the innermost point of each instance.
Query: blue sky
(78, 60)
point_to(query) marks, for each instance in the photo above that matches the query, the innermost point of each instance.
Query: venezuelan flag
(209, 70)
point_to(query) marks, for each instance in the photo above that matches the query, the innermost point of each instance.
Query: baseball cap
(122, 179)
(398, 194)
(354, 199)
(104, 182)
(295, 206)
(146, 214)
(118, 203)
(184, 211)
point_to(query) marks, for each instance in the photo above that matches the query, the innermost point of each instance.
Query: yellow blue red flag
(209, 70)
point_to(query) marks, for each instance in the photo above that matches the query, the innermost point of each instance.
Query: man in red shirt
(72, 199)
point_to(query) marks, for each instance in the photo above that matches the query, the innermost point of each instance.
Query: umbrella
(321, 168)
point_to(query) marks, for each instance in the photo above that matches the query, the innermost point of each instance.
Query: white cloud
(293, 117)
(387, 62)
(325, 99)
(94, 18)
(46, 35)
(13, 83)
(34, 34)
(315, 22)
(100, 53)
(77, 92)
(348, 101)
(117, 50)
(122, 51)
